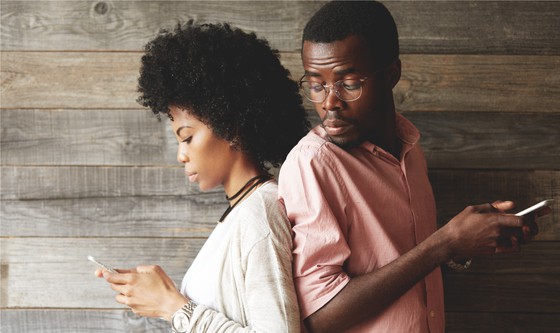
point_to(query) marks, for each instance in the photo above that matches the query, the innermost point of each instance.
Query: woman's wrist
(173, 306)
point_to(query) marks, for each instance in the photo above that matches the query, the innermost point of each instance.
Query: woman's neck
(242, 171)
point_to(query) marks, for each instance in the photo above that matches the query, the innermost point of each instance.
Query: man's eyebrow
(346, 71)
(341, 72)
(180, 128)
(312, 74)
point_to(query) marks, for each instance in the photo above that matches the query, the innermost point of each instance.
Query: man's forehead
(352, 49)
(349, 43)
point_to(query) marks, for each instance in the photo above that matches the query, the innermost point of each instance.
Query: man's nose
(332, 102)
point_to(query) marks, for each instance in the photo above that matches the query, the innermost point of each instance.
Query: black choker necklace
(243, 192)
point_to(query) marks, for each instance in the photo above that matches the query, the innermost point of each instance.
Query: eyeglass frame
(327, 87)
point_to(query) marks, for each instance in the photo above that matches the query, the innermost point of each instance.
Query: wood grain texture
(69, 80)
(80, 320)
(127, 25)
(140, 202)
(456, 189)
(479, 83)
(469, 27)
(534, 293)
(86, 137)
(536, 258)
(131, 201)
(155, 216)
(71, 321)
(489, 140)
(78, 80)
(84, 170)
(64, 182)
(492, 322)
(458, 140)
(63, 277)
(62, 263)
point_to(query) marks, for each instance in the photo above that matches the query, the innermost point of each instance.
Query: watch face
(180, 322)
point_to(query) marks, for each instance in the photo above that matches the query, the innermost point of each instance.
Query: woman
(235, 113)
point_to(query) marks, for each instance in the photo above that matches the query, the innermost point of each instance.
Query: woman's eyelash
(187, 140)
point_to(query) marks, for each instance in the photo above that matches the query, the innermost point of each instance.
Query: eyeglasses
(347, 90)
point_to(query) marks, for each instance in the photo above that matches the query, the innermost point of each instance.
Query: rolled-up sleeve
(313, 195)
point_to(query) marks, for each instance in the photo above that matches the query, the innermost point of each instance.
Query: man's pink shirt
(354, 212)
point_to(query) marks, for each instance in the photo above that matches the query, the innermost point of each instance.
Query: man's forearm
(472, 232)
(368, 294)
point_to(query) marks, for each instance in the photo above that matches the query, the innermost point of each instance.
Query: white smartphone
(535, 207)
(92, 259)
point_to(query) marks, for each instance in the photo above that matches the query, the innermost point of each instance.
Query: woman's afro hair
(230, 80)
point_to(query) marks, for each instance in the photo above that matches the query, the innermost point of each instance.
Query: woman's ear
(234, 144)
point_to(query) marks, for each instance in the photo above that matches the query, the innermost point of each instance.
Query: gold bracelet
(458, 267)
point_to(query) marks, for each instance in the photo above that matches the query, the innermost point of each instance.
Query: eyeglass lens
(347, 90)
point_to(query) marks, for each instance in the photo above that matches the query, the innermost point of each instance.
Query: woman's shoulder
(263, 215)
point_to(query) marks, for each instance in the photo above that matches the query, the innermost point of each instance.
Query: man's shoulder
(314, 159)
(310, 146)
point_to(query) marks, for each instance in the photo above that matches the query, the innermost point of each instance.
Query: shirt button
(432, 314)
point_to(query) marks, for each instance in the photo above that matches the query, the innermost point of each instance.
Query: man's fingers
(503, 206)
(496, 206)
(510, 245)
(519, 233)
(508, 220)
(543, 211)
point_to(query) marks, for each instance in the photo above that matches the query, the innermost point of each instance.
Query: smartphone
(92, 259)
(535, 207)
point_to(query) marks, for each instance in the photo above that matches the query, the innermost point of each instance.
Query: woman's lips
(193, 177)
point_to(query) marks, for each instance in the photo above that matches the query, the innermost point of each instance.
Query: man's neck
(390, 143)
(387, 138)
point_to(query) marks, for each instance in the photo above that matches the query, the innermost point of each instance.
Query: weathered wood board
(84, 170)
(468, 27)
(430, 82)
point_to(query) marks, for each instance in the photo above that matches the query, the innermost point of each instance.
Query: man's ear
(393, 73)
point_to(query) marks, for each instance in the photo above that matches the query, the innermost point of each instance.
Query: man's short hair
(370, 20)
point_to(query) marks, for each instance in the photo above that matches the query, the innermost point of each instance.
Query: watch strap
(189, 307)
(186, 310)
(458, 267)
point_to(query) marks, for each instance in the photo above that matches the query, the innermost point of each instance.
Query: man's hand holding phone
(530, 228)
(510, 239)
(537, 208)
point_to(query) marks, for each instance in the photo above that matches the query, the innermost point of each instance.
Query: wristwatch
(182, 318)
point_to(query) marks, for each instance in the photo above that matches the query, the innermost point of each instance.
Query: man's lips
(335, 126)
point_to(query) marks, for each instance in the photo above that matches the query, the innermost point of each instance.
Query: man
(366, 249)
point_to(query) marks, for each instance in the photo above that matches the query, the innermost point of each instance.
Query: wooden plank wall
(85, 170)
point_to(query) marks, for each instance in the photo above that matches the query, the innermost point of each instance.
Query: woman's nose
(181, 156)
